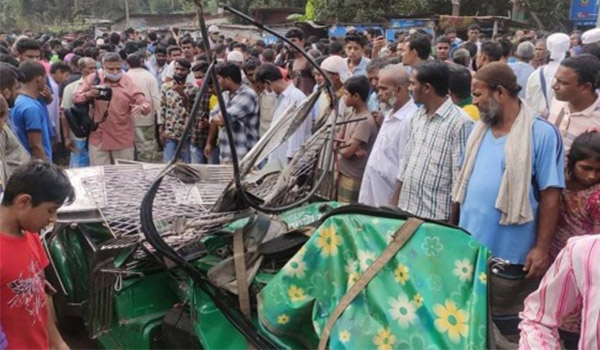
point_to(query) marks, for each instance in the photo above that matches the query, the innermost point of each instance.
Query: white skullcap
(591, 36)
(558, 44)
(213, 29)
(336, 64)
(235, 56)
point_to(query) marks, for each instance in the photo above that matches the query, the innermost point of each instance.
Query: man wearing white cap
(590, 36)
(338, 72)
(213, 36)
(539, 92)
(236, 58)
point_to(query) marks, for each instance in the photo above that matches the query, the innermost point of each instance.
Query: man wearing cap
(590, 36)
(507, 192)
(236, 58)
(337, 70)
(539, 91)
(213, 36)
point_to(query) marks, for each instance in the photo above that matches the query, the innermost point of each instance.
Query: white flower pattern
(366, 258)
(402, 310)
(463, 269)
(295, 267)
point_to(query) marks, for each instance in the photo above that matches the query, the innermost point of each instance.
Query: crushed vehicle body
(231, 256)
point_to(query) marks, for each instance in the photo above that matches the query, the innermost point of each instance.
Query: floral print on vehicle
(413, 300)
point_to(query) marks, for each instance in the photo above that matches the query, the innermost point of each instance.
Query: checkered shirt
(199, 134)
(432, 159)
(242, 113)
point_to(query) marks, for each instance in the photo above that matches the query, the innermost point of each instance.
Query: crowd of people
(499, 136)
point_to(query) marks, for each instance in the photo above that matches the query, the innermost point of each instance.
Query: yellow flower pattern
(353, 277)
(344, 336)
(451, 320)
(418, 300)
(483, 278)
(401, 274)
(283, 319)
(296, 293)
(384, 339)
(329, 241)
(419, 306)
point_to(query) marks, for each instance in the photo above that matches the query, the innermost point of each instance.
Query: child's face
(349, 99)
(318, 78)
(35, 219)
(587, 172)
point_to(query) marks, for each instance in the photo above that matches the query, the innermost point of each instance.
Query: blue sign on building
(340, 30)
(407, 23)
(584, 10)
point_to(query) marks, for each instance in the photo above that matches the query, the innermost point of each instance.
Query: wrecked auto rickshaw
(229, 256)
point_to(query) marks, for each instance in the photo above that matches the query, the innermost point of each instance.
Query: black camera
(105, 92)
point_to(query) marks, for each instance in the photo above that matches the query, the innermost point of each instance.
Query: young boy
(31, 199)
(357, 140)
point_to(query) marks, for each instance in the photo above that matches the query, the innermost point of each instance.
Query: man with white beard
(379, 179)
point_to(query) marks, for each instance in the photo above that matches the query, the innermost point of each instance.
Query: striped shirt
(242, 113)
(573, 124)
(431, 160)
(570, 285)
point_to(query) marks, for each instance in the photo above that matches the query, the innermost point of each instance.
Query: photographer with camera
(114, 99)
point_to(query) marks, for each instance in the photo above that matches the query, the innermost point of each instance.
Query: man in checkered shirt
(437, 141)
(242, 113)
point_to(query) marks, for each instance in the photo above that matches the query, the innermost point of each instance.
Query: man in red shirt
(32, 197)
(114, 138)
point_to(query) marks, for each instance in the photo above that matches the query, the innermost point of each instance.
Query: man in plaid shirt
(242, 113)
(437, 141)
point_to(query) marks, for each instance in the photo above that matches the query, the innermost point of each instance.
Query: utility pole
(127, 13)
(517, 10)
(455, 7)
(597, 11)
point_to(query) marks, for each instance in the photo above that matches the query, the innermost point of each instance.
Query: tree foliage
(552, 13)
(43, 14)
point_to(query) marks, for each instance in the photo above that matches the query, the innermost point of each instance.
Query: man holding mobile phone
(115, 99)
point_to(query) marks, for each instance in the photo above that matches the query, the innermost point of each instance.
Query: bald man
(78, 147)
(398, 107)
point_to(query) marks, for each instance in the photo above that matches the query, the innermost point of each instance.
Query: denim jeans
(198, 156)
(169, 151)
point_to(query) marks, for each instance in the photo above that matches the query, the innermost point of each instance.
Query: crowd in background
(496, 135)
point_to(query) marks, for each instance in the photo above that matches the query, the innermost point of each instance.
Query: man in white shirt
(145, 125)
(379, 179)
(539, 92)
(287, 95)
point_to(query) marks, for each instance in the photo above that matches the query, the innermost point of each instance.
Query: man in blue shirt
(357, 62)
(508, 189)
(29, 117)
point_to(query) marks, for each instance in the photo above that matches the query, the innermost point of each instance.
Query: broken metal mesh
(118, 192)
(299, 176)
